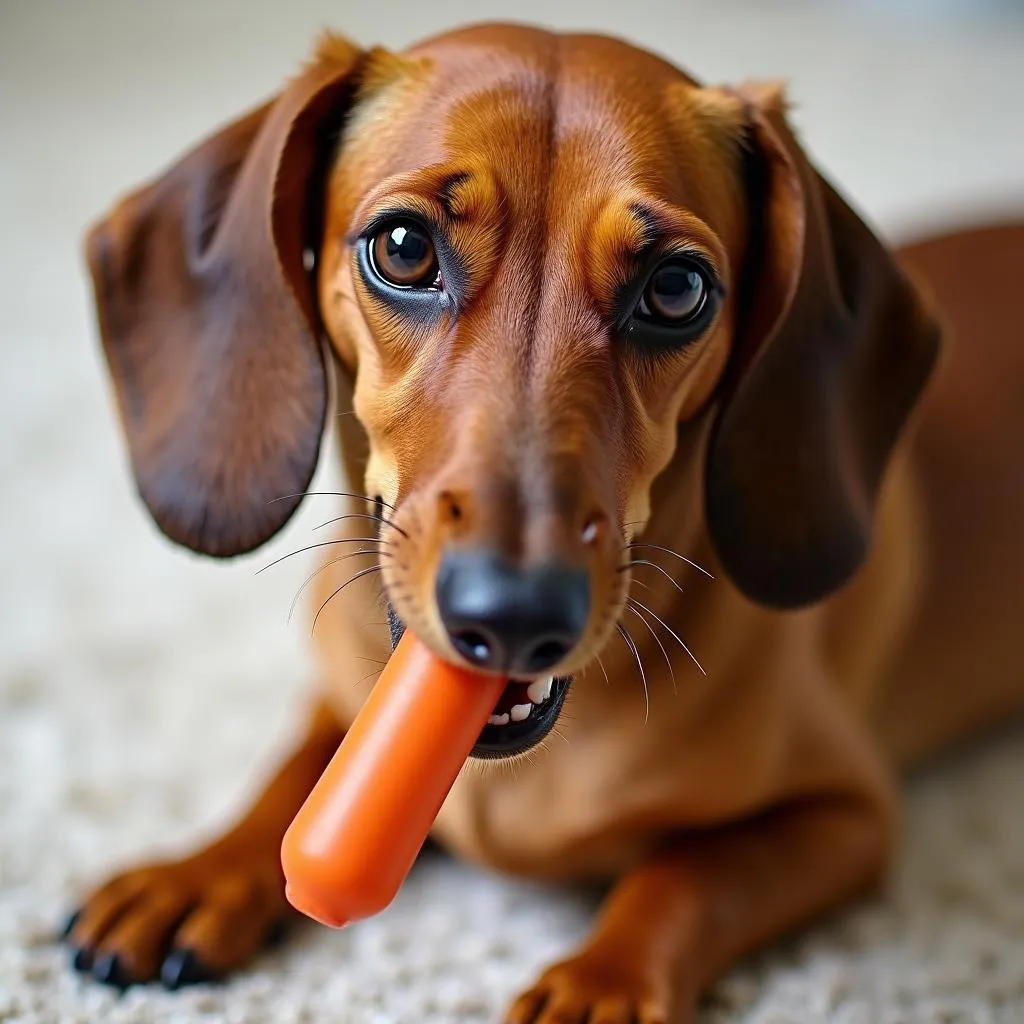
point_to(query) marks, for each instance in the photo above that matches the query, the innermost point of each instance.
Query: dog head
(534, 257)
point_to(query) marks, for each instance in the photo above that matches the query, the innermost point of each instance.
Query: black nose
(520, 621)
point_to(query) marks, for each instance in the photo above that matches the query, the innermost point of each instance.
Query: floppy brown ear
(832, 351)
(209, 321)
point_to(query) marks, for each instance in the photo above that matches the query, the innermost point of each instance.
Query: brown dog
(591, 318)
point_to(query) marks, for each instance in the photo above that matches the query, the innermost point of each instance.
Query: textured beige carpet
(142, 690)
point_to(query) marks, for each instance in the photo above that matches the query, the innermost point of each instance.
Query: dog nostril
(505, 618)
(451, 509)
(546, 654)
(473, 646)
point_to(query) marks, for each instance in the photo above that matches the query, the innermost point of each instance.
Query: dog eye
(676, 294)
(403, 255)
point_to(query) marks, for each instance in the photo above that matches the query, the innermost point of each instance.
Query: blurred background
(143, 690)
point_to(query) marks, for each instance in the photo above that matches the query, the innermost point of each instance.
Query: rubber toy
(356, 837)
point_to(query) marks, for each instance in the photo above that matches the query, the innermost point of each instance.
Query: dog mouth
(525, 713)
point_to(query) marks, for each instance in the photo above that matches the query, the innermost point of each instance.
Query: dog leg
(207, 915)
(671, 926)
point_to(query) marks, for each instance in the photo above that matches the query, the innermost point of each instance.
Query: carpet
(143, 691)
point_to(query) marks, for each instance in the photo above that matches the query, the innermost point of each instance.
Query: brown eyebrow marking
(654, 227)
(650, 222)
(448, 197)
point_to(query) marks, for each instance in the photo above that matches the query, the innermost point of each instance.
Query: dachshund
(591, 326)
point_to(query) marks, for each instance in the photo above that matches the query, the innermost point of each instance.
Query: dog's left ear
(832, 350)
(209, 319)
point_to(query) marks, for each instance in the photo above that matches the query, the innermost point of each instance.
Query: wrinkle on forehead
(512, 96)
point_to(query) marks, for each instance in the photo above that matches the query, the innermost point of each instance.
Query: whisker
(309, 579)
(358, 575)
(327, 544)
(331, 494)
(670, 629)
(657, 640)
(361, 679)
(669, 551)
(364, 515)
(607, 681)
(653, 565)
(631, 644)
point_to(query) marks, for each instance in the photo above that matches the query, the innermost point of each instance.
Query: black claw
(183, 967)
(81, 959)
(69, 925)
(108, 970)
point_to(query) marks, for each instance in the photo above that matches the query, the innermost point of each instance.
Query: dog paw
(599, 990)
(182, 923)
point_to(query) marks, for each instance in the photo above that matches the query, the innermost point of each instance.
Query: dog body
(824, 588)
(953, 669)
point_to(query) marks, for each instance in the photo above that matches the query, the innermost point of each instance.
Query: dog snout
(506, 618)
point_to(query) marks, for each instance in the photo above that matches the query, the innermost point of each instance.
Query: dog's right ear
(209, 320)
(833, 351)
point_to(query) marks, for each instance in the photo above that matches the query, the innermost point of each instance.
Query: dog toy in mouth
(524, 714)
(356, 837)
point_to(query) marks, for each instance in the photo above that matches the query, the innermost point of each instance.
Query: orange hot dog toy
(356, 837)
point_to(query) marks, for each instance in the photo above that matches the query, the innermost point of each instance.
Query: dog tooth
(497, 720)
(540, 690)
(520, 712)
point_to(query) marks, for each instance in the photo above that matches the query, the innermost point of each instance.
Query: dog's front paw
(600, 989)
(184, 923)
